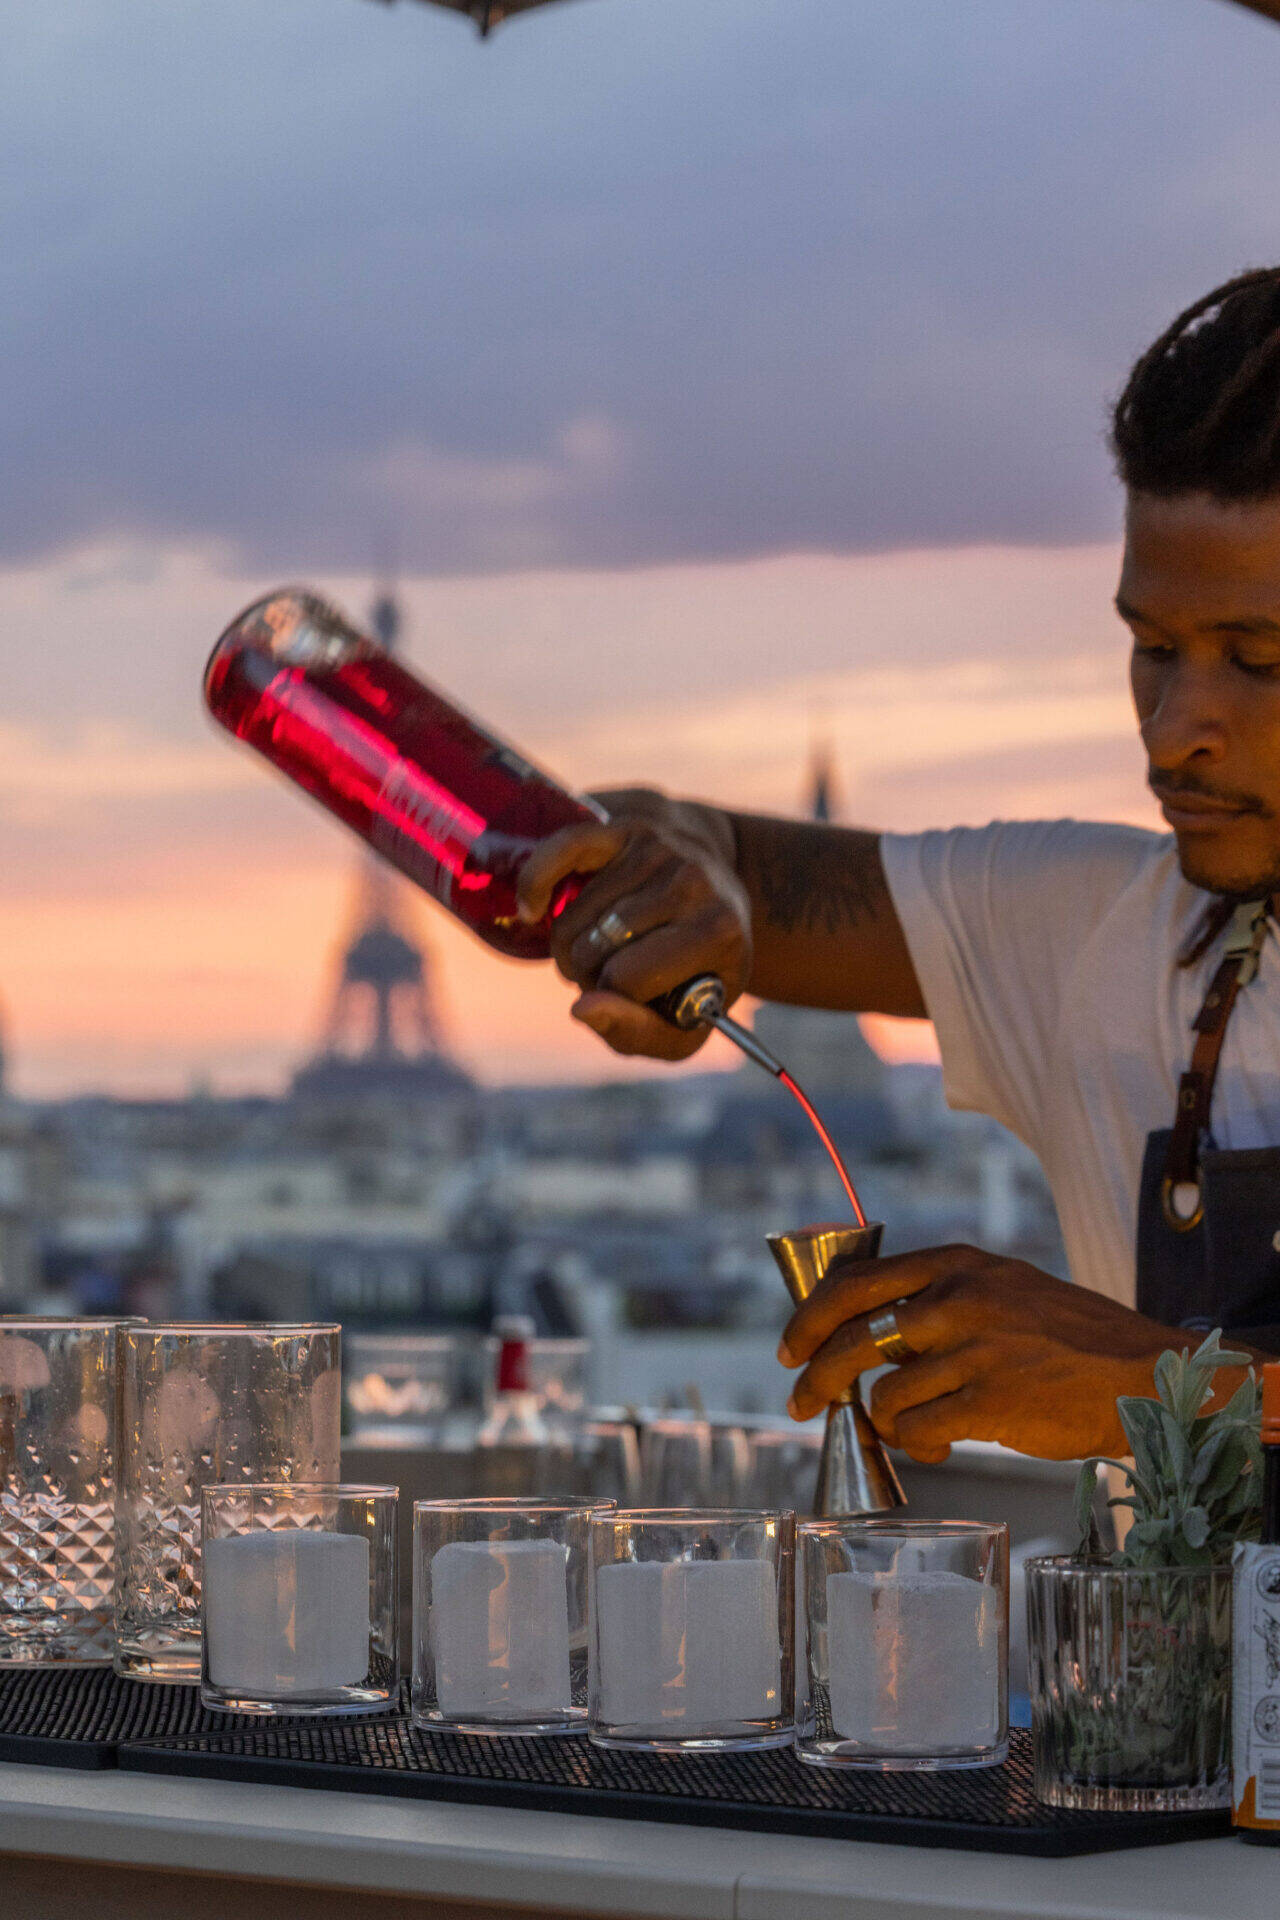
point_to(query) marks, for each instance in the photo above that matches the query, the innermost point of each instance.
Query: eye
(1264, 669)
(1155, 650)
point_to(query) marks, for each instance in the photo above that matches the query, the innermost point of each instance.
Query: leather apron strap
(1181, 1189)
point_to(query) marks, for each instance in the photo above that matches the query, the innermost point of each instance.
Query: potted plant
(1130, 1652)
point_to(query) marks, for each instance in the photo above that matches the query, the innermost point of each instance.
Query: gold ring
(888, 1339)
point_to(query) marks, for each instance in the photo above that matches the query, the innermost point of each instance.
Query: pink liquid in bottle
(455, 809)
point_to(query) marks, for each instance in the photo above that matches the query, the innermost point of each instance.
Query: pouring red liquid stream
(828, 1143)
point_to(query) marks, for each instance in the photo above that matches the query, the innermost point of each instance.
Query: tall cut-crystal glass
(57, 1491)
(203, 1404)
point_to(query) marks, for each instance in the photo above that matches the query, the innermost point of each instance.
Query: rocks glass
(675, 1463)
(1130, 1685)
(692, 1617)
(907, 1627)
(609, 1454)
(205, 1404)
(299, 1587)
(500, 1614)
(57, 1491)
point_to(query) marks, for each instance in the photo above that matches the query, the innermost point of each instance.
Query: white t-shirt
(1046, 951)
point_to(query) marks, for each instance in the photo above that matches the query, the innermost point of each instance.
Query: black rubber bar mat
(81, 1716)
(88, 1718)
(991, 1809)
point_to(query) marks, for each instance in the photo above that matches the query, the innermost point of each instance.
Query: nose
(1183, 717)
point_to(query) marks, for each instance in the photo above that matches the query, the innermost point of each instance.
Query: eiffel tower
(383, 1033)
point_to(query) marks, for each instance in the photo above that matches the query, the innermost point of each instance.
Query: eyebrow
(1258, 624)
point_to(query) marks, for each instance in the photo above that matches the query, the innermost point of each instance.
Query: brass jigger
(855, 1475)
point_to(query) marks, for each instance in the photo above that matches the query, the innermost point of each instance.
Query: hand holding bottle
(662, 901)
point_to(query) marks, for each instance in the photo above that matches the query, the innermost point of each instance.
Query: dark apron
(1225, 1271)
(1215, 1263)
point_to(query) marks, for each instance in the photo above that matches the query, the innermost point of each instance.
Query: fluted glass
(1130, 1686)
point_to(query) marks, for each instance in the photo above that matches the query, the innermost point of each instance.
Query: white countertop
(584, 1865)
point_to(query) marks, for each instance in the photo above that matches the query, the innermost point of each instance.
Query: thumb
(581, 849)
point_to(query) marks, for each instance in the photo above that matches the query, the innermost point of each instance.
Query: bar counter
(120, 1846)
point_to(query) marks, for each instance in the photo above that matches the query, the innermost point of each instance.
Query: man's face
(1200, 591)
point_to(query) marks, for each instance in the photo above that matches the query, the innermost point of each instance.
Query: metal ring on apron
(1181, 1222)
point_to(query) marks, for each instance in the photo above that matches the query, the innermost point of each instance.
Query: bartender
(1111, 995)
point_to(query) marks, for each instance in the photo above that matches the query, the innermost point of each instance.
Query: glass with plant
(1130, 1650)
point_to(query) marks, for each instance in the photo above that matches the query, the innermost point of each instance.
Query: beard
(1229, 872)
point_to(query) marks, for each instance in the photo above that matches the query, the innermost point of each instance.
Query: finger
(629, 1028)
(639, 886)
(915, 1384)
(850, 1352)
(667, 956)
(635, 803)
(925, 1324)
(927, 1432)
(581, 849)
(641, 913)
(926, 1453)
(860, 1286)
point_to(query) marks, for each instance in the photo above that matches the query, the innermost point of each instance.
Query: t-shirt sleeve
(994, 918)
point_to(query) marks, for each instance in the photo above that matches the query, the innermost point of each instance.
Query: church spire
(822, 782)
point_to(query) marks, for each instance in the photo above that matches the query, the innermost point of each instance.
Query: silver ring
(609, 933)
(888, 1340)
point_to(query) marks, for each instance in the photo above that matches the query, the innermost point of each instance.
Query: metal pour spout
(855, 1475)
(700, 1002)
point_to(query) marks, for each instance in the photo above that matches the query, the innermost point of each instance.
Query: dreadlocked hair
(1201, 410)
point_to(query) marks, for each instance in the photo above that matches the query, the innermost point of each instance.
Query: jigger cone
(855, 1474)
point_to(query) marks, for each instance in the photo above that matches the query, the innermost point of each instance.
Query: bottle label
(1255, 1692)
(423, 829)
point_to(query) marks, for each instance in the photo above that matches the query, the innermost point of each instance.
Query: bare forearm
(824, 927)
(784, 909)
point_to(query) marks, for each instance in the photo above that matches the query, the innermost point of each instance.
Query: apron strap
(1245, 936)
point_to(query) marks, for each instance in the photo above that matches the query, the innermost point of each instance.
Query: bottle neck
(1271, 1495)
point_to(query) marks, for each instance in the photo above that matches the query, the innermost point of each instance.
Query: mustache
(1174, 786)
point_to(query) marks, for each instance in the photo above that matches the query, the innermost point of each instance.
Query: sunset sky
(715, 375)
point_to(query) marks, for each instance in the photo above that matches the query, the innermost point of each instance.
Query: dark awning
(488, 13)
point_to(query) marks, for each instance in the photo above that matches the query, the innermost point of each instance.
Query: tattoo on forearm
(813, 879)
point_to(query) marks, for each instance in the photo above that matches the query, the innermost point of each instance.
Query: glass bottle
(452, 806)
(1255, 1694)
(515, 1419)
